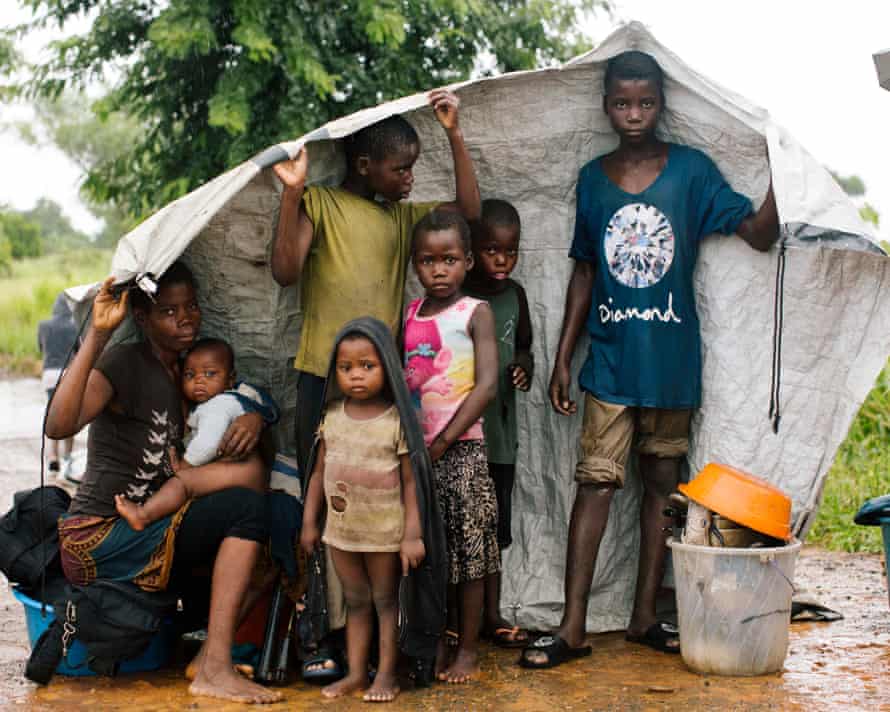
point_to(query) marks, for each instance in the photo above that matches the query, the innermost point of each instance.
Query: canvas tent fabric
(529, 133)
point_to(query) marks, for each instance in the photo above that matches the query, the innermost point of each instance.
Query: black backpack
(114, 620)
(22, 529)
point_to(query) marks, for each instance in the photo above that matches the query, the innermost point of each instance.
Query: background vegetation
(27, 295)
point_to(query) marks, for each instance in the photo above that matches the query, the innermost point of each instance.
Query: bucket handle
(771, 560)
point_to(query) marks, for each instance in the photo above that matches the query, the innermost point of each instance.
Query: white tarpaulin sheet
(529, 134)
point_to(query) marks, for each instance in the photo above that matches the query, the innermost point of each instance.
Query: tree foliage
(854, 186)
(57, 234)
(211, 82)
(94, 139)
(23, 235)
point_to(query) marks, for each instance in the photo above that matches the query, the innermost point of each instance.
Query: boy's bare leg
(588, 522)
(660, 476)
(465, 666)
(220, 475)
(215, 675)
(350, 567)
(494, 621)
(167, 500)
(384, 571)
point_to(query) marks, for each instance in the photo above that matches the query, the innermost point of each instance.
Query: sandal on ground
(323, 675)
(659, 636)
(555, 649)
(506, 637)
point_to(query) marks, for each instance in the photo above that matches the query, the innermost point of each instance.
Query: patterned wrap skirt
(469, 510)
(107, 548)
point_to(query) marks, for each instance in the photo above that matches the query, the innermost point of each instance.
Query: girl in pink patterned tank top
(451, 363)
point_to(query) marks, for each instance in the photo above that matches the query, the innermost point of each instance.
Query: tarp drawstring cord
(778, 316)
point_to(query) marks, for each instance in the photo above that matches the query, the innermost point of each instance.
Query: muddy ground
(830, 666)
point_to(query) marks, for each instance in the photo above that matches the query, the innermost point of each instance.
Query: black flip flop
(657, 636)
(556, 650)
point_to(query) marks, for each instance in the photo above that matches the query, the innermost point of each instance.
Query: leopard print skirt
(470, 511)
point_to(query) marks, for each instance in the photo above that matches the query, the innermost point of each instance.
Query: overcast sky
(808, 63)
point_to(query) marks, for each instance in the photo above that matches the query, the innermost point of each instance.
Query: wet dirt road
(830, 666)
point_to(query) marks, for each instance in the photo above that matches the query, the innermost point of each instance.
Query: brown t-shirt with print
(127, 448)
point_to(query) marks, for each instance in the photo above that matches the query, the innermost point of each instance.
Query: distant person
(348, 247)
(55, 338)
(495, 254)
(642, 211)
(208, 383)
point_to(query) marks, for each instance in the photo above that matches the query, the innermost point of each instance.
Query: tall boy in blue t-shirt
(642, 211)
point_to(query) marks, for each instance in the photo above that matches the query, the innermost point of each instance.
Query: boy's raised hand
(292, 172)
(108, 310)
(445, 104)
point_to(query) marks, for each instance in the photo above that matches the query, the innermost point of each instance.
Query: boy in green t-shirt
(349, 246)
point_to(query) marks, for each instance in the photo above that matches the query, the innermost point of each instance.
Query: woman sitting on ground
(130, 393)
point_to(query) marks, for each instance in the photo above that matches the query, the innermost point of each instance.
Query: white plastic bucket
(734, 606)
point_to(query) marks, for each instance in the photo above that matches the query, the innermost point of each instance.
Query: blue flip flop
(324, 675)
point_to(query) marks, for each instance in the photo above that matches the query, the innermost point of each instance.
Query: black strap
(778, 318)
(44, 562)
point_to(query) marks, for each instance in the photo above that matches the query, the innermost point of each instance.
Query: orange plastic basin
(743, 498)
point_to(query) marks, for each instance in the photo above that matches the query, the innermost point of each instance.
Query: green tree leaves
(211, 82)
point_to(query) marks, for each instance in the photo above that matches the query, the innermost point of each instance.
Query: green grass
(861, 470)
(27, 296)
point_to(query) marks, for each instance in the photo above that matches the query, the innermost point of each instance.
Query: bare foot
(191, 670)
(443, 657)
(346, 686)
(131, 513)
(464, 668)
(384, 689)
(222, 682)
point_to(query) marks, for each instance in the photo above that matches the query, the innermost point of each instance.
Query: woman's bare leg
(231, 578)
(251, 598)
(350, 567)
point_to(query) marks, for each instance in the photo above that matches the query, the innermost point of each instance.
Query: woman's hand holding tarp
(108, 310)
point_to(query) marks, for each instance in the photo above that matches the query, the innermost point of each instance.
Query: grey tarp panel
(529, 134)
(882, 64)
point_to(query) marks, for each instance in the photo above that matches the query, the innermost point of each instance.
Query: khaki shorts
(608, 433)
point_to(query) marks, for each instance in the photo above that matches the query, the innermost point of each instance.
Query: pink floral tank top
(440, 365)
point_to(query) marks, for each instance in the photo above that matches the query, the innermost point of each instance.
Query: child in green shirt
(496, 251)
